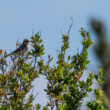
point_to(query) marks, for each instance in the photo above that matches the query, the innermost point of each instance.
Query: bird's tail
(7, 55)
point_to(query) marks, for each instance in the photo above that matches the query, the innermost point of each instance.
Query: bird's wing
(17, 50)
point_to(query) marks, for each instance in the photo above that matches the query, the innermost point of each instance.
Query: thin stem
(35, 61)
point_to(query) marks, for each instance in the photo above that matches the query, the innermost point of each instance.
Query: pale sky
(52, 17)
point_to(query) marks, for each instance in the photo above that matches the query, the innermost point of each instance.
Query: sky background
(52, 17)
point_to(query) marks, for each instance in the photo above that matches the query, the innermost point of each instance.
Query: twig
(70, 26)
(35, 61)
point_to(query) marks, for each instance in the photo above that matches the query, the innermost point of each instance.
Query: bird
(21, 50)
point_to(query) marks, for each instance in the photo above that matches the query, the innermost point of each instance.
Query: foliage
(102, 53)
(66, 88)
(97, 103)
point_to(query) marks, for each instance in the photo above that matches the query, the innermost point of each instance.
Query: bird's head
(26, 41)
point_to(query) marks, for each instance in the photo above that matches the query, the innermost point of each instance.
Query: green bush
(65, 89)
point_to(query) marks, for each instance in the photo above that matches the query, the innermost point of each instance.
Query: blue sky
(52, 17)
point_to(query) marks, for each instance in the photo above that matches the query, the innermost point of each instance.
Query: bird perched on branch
(21, 50)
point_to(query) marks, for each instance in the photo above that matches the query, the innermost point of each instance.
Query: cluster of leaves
(97, 103)
(65, 89)
(16, 77)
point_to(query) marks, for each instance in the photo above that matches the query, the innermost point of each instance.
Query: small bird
(20, 51)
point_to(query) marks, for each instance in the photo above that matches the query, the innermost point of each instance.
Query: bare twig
(70, 26)
(35, 61)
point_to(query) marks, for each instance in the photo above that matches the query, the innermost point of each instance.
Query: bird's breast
(27, 47)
